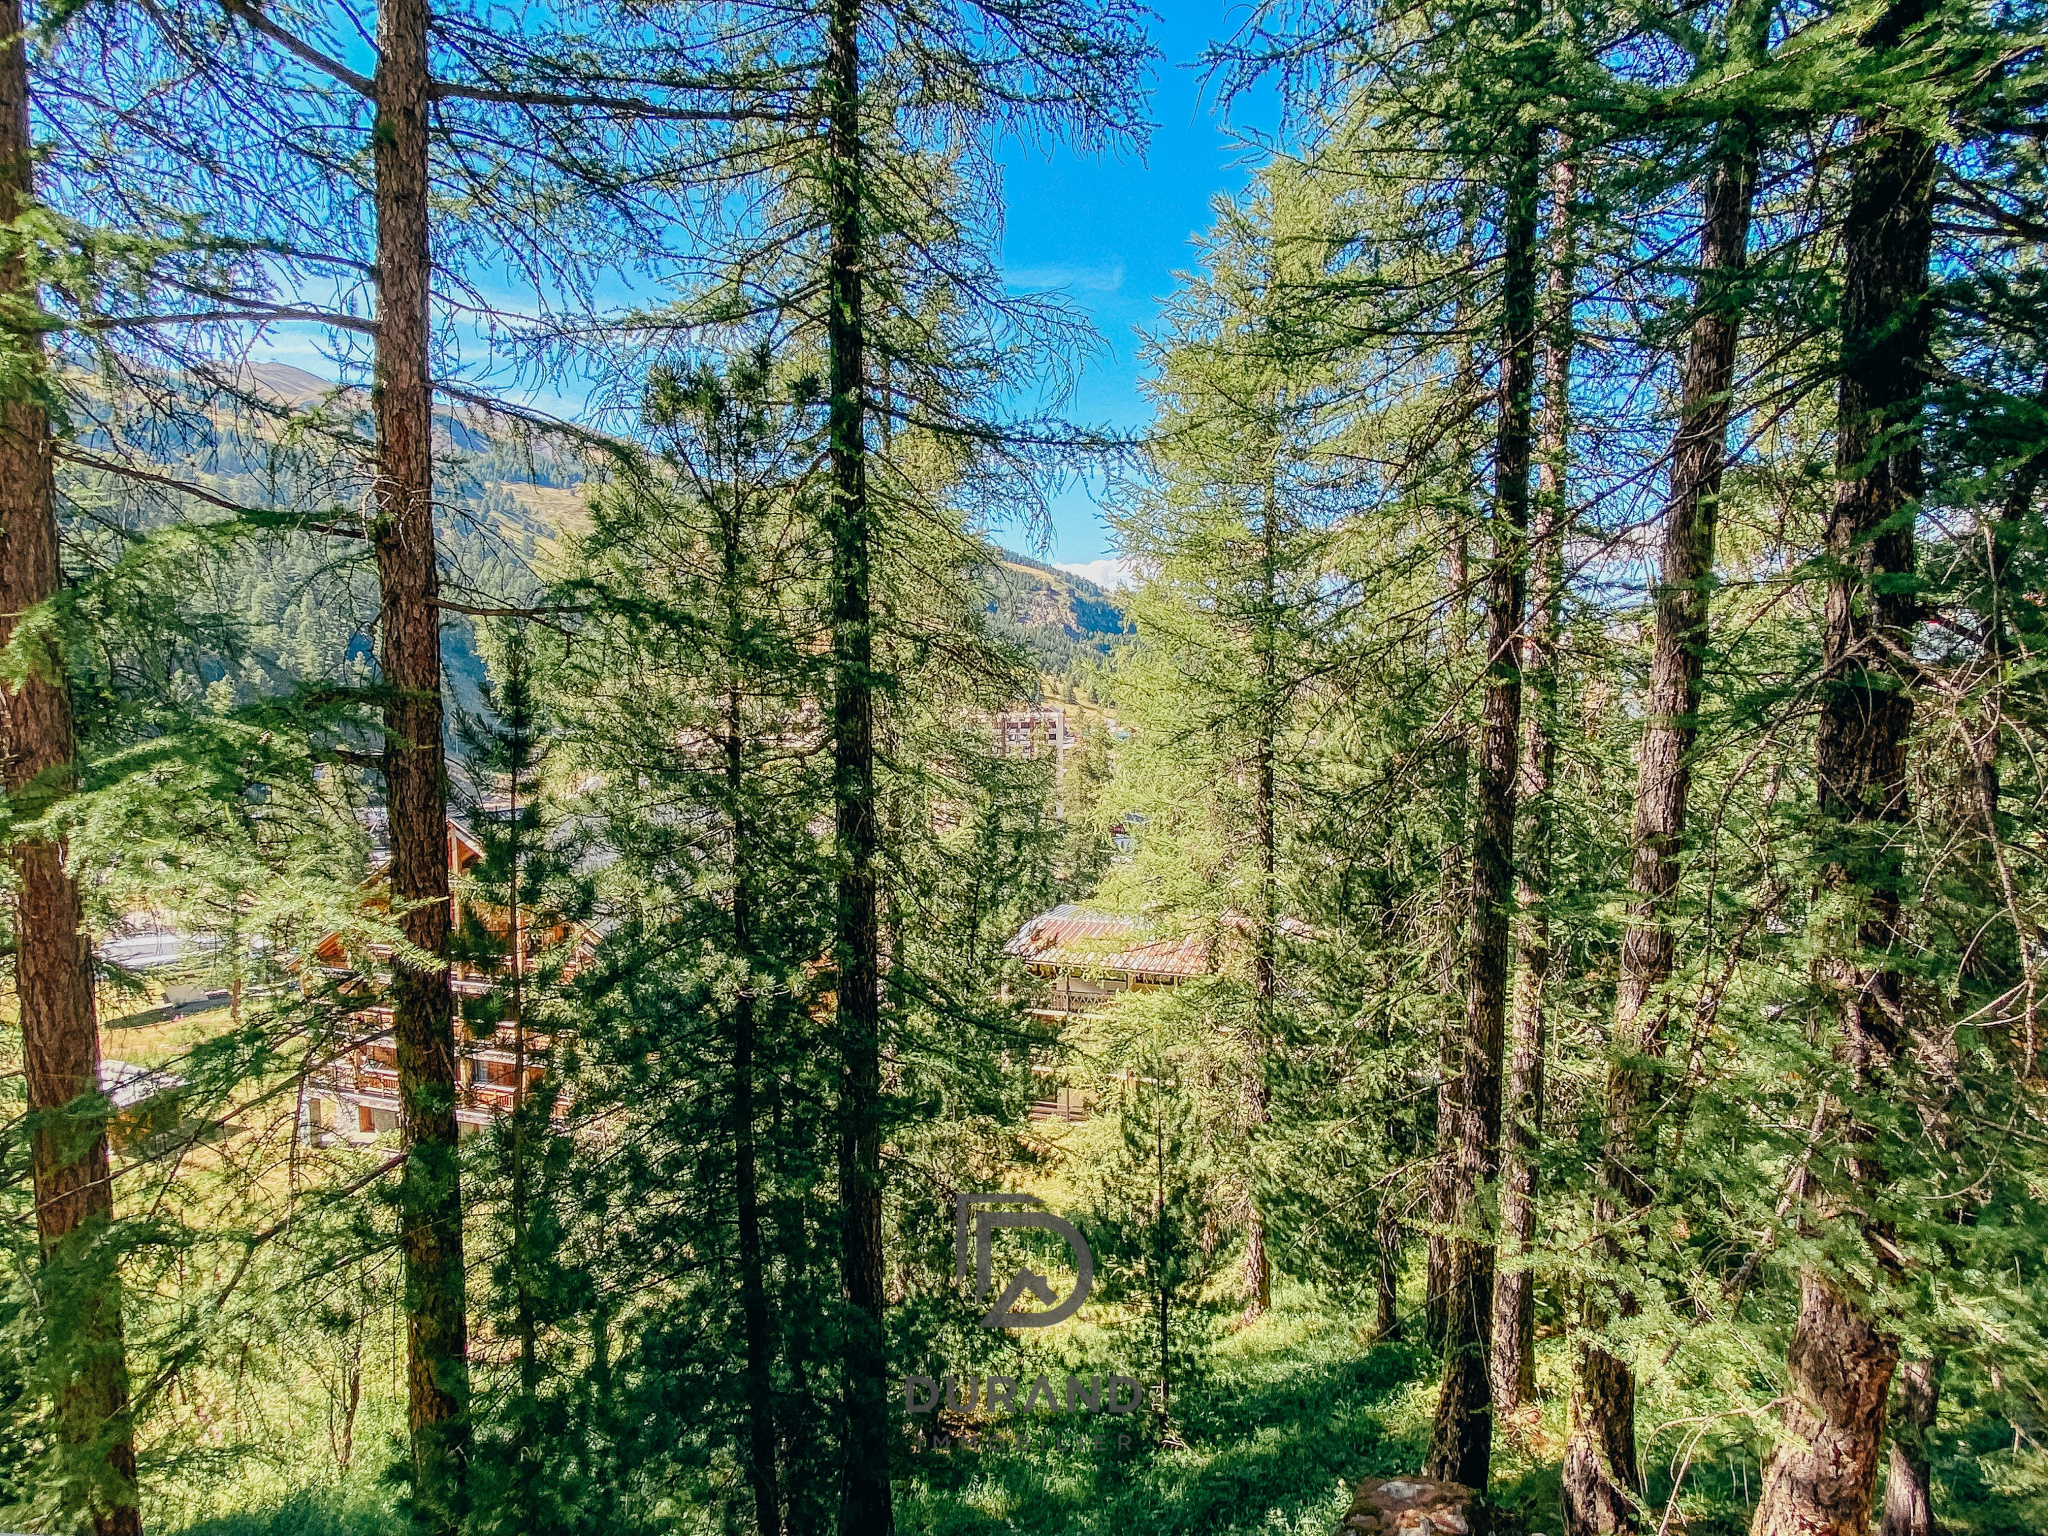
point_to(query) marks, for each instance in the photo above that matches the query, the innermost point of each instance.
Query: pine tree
(401, 531)
(1233, 611)
(1841, 1362)
(524, 908)
(1737, 921)
(879, 263)
(262, 109)
(1154, 1201)
(1514, 1291)
(697, 703)
(1462, 1439)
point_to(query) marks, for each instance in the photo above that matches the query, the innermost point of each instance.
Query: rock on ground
(1409, 1506)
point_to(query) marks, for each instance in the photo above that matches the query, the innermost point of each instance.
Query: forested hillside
(586, 951)
(510, 503)
(1070, 627)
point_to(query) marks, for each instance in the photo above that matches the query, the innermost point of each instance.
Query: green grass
(308, 1513)
(1289, 1415)
(1282, 1422)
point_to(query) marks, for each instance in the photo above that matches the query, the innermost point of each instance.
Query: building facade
(1079, 962)
(353, 1094)
(1034, 731)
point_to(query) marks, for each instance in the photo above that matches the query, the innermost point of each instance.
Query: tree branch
(263, 312)
(443, 90)
(264, 515)
(505, 613)
(303, 51)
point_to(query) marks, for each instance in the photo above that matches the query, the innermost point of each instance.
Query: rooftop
(1108, 941)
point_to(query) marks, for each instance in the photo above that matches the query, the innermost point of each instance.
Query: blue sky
(1112, 232)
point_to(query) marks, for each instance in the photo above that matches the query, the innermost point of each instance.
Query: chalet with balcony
(354, 1095)
(1080, 962)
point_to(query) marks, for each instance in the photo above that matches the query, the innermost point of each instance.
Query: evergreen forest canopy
(1559, 817)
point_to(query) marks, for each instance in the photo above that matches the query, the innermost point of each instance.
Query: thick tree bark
(1601, 1477)
(1823, 1471)
(1909, 1481)
(1820, 1479)
(865, 1503)
(415, 779)
(85, 1355)
(1461, 1439)
(1514, 1291)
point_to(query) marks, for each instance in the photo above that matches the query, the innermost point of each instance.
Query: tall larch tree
(1514, 1293)
(1823, 1471)
(85, 1358)
(1461, 1439)
(1234, 528)
(1602, 1480)
(865, 1501)
(260, 107)
(878, 267)
(416, 773)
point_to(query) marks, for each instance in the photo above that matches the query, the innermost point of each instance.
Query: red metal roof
(1068, 936)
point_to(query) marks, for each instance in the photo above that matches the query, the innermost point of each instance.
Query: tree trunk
(808, 1509)
(1514, 1292)
(1820, 1478)
(865, 1504)
(1159, 1269)
(415, 777)
(1602, 1482)
(1387, 1278)
(1909, 1482)
(1461, 1440)
(746, 1191)
(753, 1286)
(1258, 1266)
(1257, 1277)
(1823, 1471)
(86, 1360)
(525, 1320)
(1452, 884)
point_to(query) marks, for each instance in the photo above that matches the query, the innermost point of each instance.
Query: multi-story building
(1034, 730)
(1080, 961)
(354, 1094)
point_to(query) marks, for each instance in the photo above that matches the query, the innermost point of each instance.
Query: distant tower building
(1034, 730)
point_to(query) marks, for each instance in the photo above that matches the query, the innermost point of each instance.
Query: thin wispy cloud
(1113, 573)
(1075, 277)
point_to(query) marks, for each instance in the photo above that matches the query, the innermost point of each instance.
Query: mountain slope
(1066, 623)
